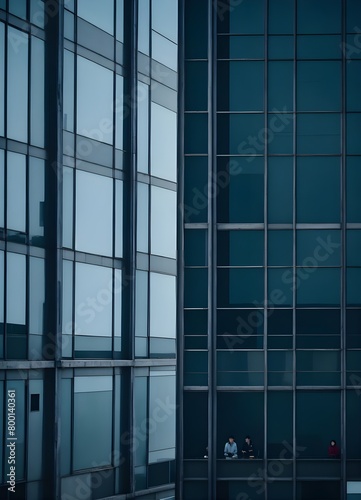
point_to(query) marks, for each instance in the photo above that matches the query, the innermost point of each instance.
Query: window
(142, 128)
(240, 287)
(17, 85)
(101, 15)
(280, 190)
(165, 18)
(164, 51)
(16, 192)
(162, 305)
(93, 300)
(163, 142)
(323, 16)
(92, 422)
(240, 248)
(37, 125)
(94, 213)
(240, 86)
(143, 218)
(162, 439)
(95, 87)
(2, 83)
(163, 222)
(318, 86)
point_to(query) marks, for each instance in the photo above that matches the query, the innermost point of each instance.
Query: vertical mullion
(343, 260)
(294, 220)
(265, 338)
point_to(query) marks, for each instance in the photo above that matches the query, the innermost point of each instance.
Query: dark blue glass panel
(353, 15)
(196, 86)
(195, 189)
(246, 17)
(280, 291)
(319, 47)
(240, 248)
(318, 248)
(323, 16)
(240, 47)
(195, 287)
(240, 86)
(240, 287)
(353, 286)
(195, 247)
(280, 190)
(280, 47)
(280, 86)
(353, 247)
(281, 16)
(241, 134)
(318, 287)
(353, 183)
(353, 133)
(353, 82)
(280, 248)
(318, 86)
(241, 193)
(196, 29)
(196, 133)
(280, 133)
(318, 189)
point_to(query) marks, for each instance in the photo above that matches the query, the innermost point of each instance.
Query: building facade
(272, 277)
(88, 218)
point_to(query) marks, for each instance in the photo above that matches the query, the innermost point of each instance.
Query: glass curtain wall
(277, 190)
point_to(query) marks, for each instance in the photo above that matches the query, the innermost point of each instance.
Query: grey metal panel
(164, 96)
(156, 181)
(92, 56)
(162, 74)
(142, 261)
(95, 39)
(163, 265)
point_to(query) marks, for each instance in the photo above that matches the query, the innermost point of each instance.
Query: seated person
(247, 448)
(230, 448)
(333, 450)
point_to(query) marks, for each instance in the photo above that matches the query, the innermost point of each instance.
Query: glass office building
(271, 293)
(88, 220)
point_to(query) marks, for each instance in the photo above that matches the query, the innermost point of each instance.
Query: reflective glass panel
(353, 181)
(163, 222)
(37, 124)
(163, 142)
(353, 79)
(353, 247)
(93, 300)
(162, 440)
(68, 91)
(141, 304)
(68, 191)
(318, 287)
(119, 5)
(280, 190)
(196, 86)
(195, 247)
(18, 8)
(94, 213)
(323, 16)
(162, 305)
(16, 192)
(2, 82)
(318, 133)
(16, 289)
(353, 286)
(17, 88)
(241, 189)
(94, 101)
(280, 248)
(36, 295)
(92, 421)
(143, 218)
(318, 248)
(318, 86)
(120, 112)
(118, 218)
(240, 248)
(2, 188)
(280, 86)
(318, 189)
(99, 14)
(281, 23)
(240, 287)
(165, 18)
(143, 26)
(280, 291)
(143, 127)
(240, 86)
(319, 47)
(246, 17)
(36, 200)
(164, 51)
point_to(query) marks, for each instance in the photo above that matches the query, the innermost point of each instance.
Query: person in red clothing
(333, 450)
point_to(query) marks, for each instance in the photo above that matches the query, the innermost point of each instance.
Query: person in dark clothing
(247, 448)
(333, 450)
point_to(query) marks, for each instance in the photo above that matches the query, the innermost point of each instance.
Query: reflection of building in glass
(88, 189)
(272, 236)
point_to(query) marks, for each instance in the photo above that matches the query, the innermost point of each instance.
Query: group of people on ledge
(231, 450)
